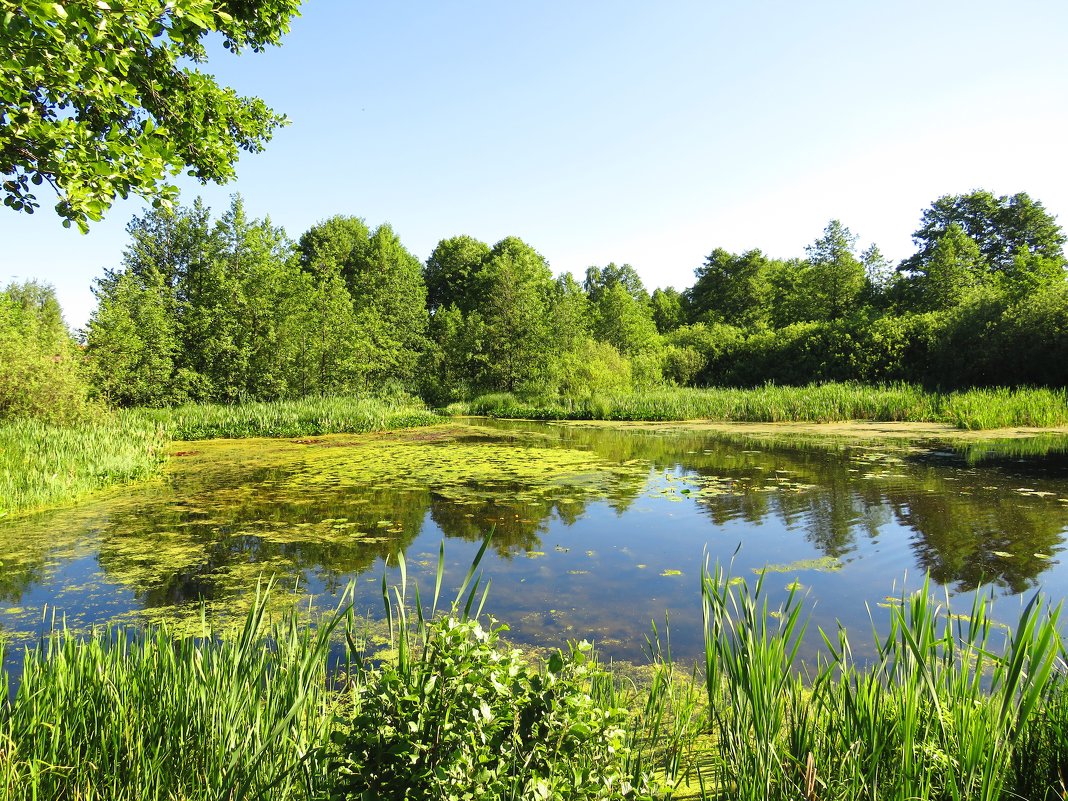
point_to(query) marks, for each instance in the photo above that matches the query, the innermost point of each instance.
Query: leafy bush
(468, 720)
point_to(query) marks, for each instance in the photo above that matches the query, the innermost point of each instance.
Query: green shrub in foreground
(468, 719)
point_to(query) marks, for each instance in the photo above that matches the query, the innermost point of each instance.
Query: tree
(514, 290)
(389, 296)
(731, 289)
(40, 366)
(103, 101)
(451, 273)
(1019, 242)
(668, 311)
(952, 270)
(601, 279)
(835, 276)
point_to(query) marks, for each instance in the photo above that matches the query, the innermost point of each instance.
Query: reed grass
(817, 403)
(44, 465)
(311, 416)
(138, 715)
(948, 708)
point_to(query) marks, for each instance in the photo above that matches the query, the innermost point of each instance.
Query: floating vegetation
(827, 564)
(671, 572)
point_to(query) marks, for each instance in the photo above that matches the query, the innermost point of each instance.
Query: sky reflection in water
(598, 532)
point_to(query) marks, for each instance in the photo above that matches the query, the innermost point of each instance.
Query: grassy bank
(947, 707)
(819, 403)
(43, 465)
(291, 418)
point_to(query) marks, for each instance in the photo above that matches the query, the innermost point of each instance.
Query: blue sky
(640, 132)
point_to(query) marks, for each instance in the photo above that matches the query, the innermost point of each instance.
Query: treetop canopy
(102, 98)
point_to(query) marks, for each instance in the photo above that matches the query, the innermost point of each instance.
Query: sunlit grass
(289, 418)
(946, 706)
(44, 465)
(816, 403)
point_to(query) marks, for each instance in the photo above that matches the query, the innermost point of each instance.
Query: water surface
(597, 531)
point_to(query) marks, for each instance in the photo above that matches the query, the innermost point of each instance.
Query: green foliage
(136, 714)
(102, 101)
(731, 289)
(465, 718)
(291, 418)
(1003, 228)
(668, 311)
(835, 276)
(515, 285)
(451, 273)
(591, 368)
(44, 465)
(817, 403)
(41, 370)
(939, 712)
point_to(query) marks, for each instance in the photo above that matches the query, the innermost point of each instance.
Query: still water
(598, 531)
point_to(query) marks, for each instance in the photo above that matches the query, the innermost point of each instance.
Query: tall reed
(943, 710)
(311, 416)
(46, 465)
(818, 403)
(135, 714)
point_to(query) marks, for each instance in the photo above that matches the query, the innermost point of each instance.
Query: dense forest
(231, 309)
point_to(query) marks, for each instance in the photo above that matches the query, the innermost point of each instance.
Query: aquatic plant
(43, 465)
(310, 416)
(818, 403)
(940, 711)
(134, 714)
(451, 714)
(46, 465)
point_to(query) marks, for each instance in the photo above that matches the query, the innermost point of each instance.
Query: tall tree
(514, 289)
(389, 296)
(1019, 242)
(668, 311)
(835, 276)
(600, 279)
(952, 270)
(731, 289)
(104, 100)
(40, 366)
(452, 273)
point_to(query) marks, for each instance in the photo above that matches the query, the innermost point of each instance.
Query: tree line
(231, 309)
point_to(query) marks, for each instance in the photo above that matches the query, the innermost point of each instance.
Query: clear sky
(640, 132)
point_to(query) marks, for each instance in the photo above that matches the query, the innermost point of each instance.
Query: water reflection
(597, 530)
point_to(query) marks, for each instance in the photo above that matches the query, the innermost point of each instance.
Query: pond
(599, 531)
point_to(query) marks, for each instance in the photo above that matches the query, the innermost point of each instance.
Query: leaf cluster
(103, 99)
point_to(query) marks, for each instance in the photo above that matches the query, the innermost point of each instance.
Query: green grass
(818, 403)
(44, 465)
(948, 707)
(290, 418)
(137, 715)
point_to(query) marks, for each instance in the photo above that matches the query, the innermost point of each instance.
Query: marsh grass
(289, 418)
(45, 465)
(948, 708)
(136, 714)
(817, 403)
